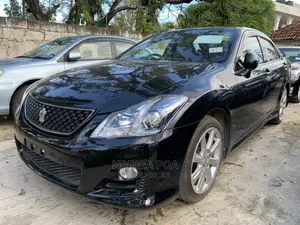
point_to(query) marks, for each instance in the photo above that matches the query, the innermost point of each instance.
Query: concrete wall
(19, 36)
(285, 15)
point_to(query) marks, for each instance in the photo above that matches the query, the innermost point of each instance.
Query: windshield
(51, 49)
(194, 45)
(293, 54)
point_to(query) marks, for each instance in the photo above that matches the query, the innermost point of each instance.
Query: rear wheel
(17, 98)
(282, 107)
(202, 161)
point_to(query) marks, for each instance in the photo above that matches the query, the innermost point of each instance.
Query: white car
(51, 58)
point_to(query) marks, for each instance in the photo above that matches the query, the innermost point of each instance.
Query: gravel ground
(6, 131)
(259, 184)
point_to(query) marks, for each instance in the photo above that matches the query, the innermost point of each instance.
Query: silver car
(293, 55)
(52, 58)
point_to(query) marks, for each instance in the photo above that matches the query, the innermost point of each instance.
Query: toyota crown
(155, 123)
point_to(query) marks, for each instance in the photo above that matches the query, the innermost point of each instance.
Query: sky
(166, 15)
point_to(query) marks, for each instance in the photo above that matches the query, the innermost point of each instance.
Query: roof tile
(290, 32)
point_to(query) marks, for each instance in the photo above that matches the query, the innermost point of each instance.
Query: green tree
(13, 9)
(147, 17)
(168, 26)
(257, 14)
(98, 13)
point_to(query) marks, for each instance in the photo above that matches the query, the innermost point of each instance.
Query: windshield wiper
(40, 57)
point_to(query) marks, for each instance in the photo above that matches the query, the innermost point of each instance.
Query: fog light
(128, 173)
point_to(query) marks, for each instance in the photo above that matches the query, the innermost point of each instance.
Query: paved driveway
(259, 184)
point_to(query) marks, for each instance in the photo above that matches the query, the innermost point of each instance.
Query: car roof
(289, 47)
(85, 37)
(239, 29)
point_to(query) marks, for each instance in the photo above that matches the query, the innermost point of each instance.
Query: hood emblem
(42, 115)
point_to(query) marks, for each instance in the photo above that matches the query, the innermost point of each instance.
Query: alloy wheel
(206, 160)
(283, 103)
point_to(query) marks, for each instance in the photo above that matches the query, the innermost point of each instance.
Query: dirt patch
(6, 129)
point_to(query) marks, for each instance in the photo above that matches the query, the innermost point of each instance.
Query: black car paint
(247, 104)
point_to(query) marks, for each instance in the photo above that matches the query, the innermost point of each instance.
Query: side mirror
(251, 61)
(73, 56)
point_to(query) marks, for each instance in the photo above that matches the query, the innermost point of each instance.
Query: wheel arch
(222, 114)
(28, 82)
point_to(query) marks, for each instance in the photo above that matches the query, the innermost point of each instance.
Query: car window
(122, 46)
(50, 49)
(251, 44)
(293, 54)
(193, 45)
(94, 50)
(270, 53)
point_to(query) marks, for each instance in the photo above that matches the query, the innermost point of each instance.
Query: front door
(92, 52)
(251, 92)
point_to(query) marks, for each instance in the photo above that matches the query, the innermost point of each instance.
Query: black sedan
(155, 123)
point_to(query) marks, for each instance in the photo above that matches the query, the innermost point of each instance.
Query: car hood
(20, 62)
(116, 85)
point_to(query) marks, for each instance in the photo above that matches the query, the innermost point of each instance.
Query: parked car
(156, 122)
(293, 55)
(17, 74)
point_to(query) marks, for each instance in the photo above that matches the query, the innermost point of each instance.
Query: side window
(94, 50)
(270, 53)
(251, 44)
(122, 46)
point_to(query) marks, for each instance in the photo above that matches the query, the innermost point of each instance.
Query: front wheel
(282, 107)
(202, 161)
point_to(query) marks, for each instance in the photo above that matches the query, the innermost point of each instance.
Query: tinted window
(194, 45)
(122, 46)
(251, 44)
(94, 50)
(293, 54)
(270, 53)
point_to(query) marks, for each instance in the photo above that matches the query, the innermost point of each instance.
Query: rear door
(92, 52)
(276, 70)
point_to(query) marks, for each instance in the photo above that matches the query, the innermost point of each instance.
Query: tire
(282, 105)
(296, 97)
(17, 98)
(193, 190)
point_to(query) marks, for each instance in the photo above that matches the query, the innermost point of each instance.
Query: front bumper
(6, 92)
(90, 167)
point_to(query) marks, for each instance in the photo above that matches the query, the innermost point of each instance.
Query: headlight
(1, 72)
(146, 118)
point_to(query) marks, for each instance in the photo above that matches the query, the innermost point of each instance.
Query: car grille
(64, 173)
(59, 120)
